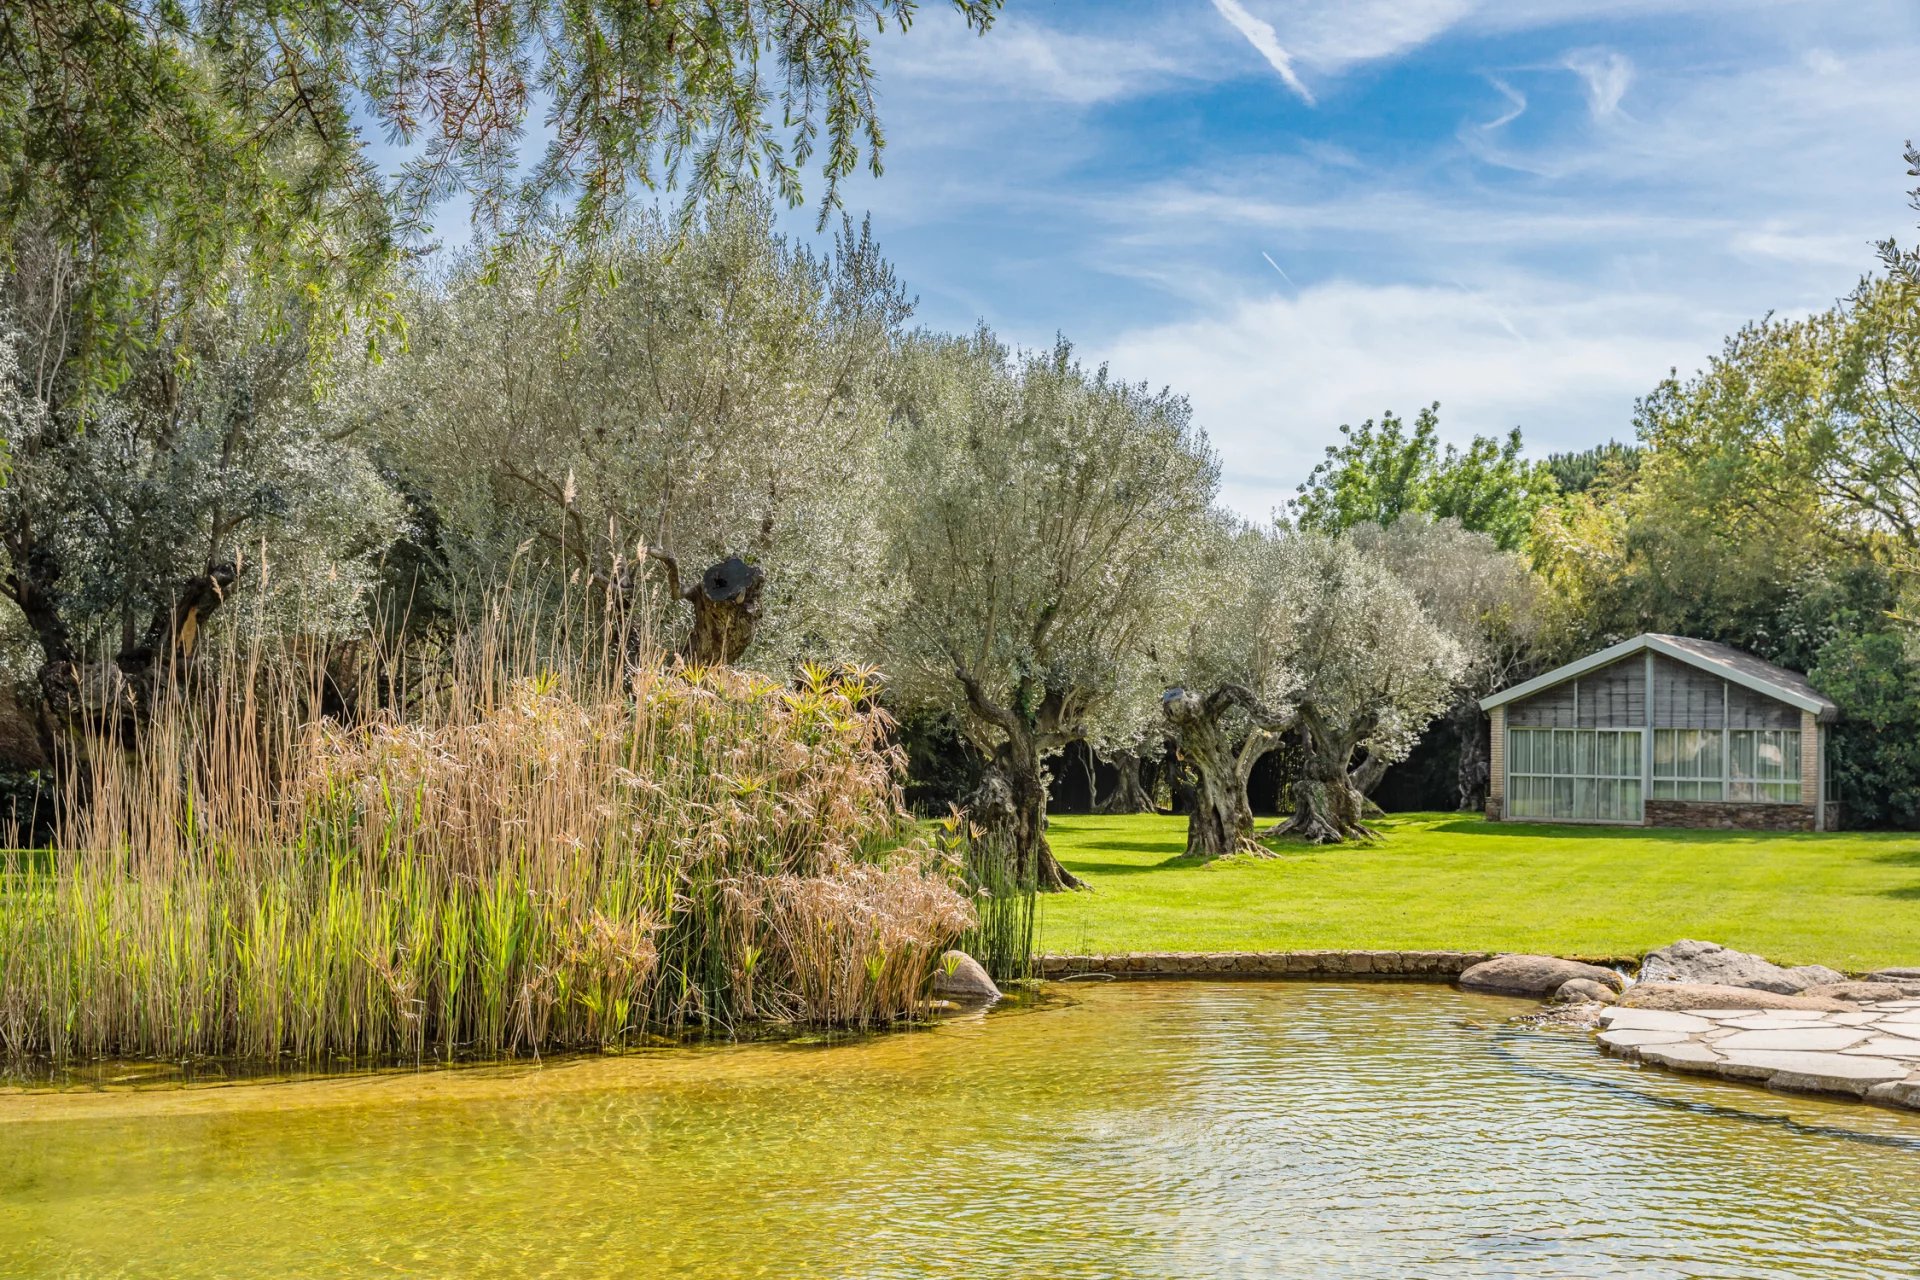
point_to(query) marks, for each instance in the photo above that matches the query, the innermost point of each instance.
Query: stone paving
(1872, 1052)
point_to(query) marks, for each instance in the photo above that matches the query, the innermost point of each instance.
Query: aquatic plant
(1004, 899)
(510, 849)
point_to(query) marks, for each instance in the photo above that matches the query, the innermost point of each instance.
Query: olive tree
(1233, 704)
(722, 404)
(1044, 522)
(131, 516)
(1370, 670)
(1486, 600)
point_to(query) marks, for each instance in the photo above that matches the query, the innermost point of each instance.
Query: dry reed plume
(532, 857)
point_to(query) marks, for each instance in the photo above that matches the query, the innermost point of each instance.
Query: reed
(1004, 900)
(533, 846)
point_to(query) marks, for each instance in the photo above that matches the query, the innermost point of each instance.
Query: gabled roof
(1722, 660)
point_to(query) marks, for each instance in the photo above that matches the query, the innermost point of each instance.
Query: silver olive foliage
(1045, 520)
(725, 394)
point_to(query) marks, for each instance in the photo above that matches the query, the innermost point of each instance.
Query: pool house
(1663, 731)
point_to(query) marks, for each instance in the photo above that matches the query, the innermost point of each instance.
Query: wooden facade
(1662, 731)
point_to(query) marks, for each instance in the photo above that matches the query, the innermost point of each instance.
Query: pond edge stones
(1871, 1053)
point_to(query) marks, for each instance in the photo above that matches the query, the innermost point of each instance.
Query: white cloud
(1271, 379)
(1020, 60)
(1607, 74)
(1261, 36)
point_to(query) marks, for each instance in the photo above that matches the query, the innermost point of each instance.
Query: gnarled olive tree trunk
(1130, 793)
(1327, 809)
(725, 600)
(1020, 814)
(1222, 819)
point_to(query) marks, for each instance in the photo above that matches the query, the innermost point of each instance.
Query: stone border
(1418, 966)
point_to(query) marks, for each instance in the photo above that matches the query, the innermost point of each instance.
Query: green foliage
(1874, 763)
(1611, 463)
(1380, 472)
(184, 148)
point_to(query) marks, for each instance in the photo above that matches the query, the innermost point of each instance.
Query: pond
(1118, 1130)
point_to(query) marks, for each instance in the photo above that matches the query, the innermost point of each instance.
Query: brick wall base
(1712, 814)
(1495, 808)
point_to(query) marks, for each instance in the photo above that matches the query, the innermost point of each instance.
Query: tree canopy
(1380, 472)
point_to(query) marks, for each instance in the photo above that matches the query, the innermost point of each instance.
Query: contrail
(1277, 267)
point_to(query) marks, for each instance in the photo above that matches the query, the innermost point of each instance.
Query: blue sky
(1527, 211)
(1303, 212)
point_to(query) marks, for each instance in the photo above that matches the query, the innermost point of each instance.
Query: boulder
(1583, 991)
(1816, 975)
(1523, 975)
(961, 977)
(1698, 995)
(1709, 963)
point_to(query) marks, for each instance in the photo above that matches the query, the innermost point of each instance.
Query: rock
(1711, 963)
(1894, 975)
(1523, 975)
(1700, 995)
(1816, 975)
(961, 977)
(1863, 992)
(1582, 990)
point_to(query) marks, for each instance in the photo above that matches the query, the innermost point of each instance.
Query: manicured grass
(1434, 880)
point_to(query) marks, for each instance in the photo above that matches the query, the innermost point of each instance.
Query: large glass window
(1747, 765)
(1763, 765)
(1687, 764)
(1588, 775)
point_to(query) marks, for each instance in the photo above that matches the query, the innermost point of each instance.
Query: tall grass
(1004, 901)
(539, 852)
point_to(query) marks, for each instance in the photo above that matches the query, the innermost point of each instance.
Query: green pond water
(1119, 1130)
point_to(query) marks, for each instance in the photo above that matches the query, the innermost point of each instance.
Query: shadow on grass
(1137, 846)
(1081, 867)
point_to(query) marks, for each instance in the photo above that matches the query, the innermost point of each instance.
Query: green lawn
(1453, 881)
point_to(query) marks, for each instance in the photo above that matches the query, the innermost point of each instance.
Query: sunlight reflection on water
(1126, 1130)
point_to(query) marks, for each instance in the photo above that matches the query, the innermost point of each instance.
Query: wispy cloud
(1607, 73)
(1260, 34)
(1516, 105)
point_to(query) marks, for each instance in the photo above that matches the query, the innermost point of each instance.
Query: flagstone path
(1872, 1052)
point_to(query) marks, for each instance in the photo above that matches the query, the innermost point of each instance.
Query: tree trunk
(1364, 777)
(1221, 822)
(1010, 804)
(1130, 793)
(1326, 807)
(726, 608)
(1475, 756)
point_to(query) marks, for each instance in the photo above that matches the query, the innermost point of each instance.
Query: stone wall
(1718, 814)
(1496, 808)
(1421, 966)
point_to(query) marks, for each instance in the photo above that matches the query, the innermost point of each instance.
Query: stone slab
(1631, 1038)
(1815, 1039)
(1654, 1020)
